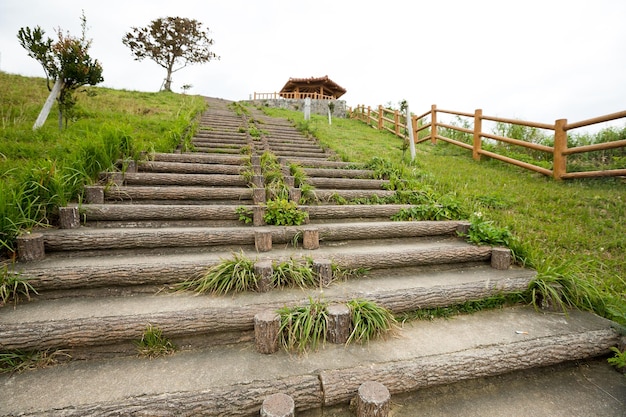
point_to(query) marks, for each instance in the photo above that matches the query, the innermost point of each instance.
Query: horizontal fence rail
(292, 95)
(427, 127)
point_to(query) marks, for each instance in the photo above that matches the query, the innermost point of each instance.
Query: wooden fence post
(380, 117)
(369, 114)
(396, 120)
(433, 124)
(559, 160)
(478, 127)
(411, 126)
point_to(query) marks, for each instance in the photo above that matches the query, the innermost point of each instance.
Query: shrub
(282, 212)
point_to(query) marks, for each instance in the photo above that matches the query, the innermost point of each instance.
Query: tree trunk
(168, 80)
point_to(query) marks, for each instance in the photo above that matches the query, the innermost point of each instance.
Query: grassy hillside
(570, 231)
(46, 168)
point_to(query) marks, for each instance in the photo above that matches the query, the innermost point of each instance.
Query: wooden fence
(293, 95)
(394, 121)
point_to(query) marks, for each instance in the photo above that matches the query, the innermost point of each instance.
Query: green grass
(229, 276)
(13, 287)
(42, 170)
(303, 327)
(369, 321)
(575, 226)
(153, 344)
(22, 360)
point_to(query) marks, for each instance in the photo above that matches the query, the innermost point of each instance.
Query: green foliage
(483, 232)
(446, 208)
(369, 321)
(67, 60)
(153, 344)
(564, 285)
(245, 214)
(303, 327)
(282, 212)
(230, 275)
(619, 359)
(341, 273)
(294, 273)
(13, 286)
(275, 186)
(21, 360)
(171, 42)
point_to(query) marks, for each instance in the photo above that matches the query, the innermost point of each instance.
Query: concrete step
(234, 381)
(77, 323)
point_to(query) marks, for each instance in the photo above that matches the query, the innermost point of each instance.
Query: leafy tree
(66, 60)
(171, 40)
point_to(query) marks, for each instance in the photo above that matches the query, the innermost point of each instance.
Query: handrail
(291, 95)
(379, 118)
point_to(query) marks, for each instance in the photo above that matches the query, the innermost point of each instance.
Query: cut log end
(373, 400)
(278, 405)
(266, 329)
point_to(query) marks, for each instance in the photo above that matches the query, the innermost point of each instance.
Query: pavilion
(321, 88)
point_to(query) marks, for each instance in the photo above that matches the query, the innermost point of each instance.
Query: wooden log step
(199, 158)
(318, 163)
(210, 382)
(135, 212)
(346, 183)
(189, 168)
(98, 239)
(226, 134)
(164, 266)
(151, 178)
(354, 211)
(338, 173)
(301, 154)
(177, 193)
(218, 143)
(295, 148)
(85, 322)
(94, 239)
(217, 150)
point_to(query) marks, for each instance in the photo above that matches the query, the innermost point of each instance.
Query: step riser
(84, 239)
(190, 168)
(196, 158)
(156, 179)
(174, 194)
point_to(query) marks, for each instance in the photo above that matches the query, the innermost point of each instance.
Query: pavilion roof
(314, 85)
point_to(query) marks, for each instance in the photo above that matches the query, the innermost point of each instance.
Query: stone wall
(317, 106)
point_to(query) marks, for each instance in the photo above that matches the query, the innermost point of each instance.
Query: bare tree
(171, 42)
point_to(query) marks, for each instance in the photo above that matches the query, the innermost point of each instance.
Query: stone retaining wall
(317, 106)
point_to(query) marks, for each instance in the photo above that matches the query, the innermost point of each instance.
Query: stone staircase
(109, 271)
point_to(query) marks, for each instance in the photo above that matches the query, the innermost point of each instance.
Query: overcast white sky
(537, 60)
